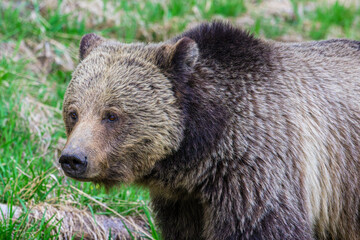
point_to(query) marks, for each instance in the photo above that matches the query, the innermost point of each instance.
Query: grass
(31, 93)
(335, 15)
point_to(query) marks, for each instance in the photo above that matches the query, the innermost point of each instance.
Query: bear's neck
(210, 98)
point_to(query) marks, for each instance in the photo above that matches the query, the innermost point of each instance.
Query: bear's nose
(73, 165)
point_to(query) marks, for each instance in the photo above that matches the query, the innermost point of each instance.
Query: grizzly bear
(235, 137)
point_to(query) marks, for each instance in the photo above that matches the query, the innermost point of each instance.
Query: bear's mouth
(81, 179)
(102, 181)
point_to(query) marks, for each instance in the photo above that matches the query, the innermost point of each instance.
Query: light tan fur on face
(120, 82)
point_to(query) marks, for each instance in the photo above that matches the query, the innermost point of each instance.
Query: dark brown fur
(236, 137)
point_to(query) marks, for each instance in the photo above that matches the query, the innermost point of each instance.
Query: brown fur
(237, 138)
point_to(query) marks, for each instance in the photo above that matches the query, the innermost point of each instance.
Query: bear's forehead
(137, 50)
(121, 71)
(120, 64)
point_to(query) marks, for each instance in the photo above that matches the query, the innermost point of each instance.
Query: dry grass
(79, 224)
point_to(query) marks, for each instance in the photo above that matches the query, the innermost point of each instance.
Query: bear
(236, 137)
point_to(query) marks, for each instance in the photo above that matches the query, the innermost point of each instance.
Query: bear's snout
(73, 165)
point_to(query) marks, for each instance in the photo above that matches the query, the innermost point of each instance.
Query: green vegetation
(38, 51)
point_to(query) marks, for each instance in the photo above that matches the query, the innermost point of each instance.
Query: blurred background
(38, 51)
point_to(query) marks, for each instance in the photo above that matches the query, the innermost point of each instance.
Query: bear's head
(122, 109)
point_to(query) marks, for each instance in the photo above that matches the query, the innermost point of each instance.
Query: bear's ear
(180, 56)
(186, 53)
(88, 43)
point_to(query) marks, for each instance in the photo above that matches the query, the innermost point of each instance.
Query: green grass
(31, 128)
(336, 15)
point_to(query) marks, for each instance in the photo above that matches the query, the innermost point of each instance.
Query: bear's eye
(73, 116)
(111, 117)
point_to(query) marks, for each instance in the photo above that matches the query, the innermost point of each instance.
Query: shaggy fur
(236, 137)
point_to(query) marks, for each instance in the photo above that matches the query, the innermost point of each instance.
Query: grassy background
(38, 51)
